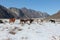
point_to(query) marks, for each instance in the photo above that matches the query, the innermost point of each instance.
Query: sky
(49, 6)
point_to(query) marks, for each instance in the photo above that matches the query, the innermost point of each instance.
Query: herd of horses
(21, 20)
(27, 20)
(12, 20)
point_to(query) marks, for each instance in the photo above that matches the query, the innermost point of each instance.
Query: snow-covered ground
(42, 31)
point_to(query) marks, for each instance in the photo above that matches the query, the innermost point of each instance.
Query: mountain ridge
(13, 12)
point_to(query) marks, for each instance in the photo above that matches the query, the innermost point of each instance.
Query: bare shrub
(55, 38)
(24, 38)
(12, 32)
(19, 29)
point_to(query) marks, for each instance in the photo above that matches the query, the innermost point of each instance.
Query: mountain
(54, 16)
(20, 13)
(28, 13)
(17, 12)
(5, 13)
(33, 14)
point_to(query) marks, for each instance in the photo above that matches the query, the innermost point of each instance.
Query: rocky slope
(28, 13)
(5, 13)
(20, 13)
(54, 16)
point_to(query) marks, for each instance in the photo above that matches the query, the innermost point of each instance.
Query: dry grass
(55, 38)
(12, 32)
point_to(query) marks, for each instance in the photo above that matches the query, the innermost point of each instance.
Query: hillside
(20, 13)
(55, 16)
(5, 13)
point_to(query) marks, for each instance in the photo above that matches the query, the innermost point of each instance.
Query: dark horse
(52, 21)
(1, 21)
(25, 20)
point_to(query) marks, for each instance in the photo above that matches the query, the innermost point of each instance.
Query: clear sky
(49, 6)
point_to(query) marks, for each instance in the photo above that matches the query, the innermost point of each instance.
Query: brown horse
(11, 20)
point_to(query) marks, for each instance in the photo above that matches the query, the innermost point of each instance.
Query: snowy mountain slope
(43, 31)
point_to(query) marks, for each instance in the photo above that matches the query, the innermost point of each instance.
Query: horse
(52, 21)
(1, 21)
(11, 20)
(26, 20)
(31, 20)
(23, 21)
